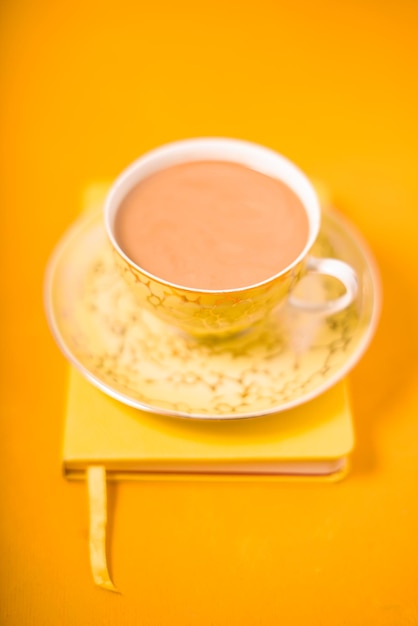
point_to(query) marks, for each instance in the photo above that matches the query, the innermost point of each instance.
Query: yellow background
(85, 88)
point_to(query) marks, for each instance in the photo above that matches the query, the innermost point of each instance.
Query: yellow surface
(85, 88)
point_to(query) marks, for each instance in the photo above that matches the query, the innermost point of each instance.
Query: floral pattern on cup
(206, 313)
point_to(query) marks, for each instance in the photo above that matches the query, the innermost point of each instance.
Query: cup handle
(337, 269)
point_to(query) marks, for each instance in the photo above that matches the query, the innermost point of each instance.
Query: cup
(224, 312)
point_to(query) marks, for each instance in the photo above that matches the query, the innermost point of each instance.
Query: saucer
(141, 361)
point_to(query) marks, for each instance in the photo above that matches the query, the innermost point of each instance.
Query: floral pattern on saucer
(136, 358)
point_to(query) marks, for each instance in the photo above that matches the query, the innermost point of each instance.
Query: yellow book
(311, 440)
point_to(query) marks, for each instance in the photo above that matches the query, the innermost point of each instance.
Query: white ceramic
(209, 312)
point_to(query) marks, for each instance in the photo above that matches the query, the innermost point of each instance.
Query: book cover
(311, 440)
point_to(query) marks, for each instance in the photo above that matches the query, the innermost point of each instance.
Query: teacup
(220, 312)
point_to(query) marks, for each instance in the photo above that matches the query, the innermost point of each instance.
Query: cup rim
(253, 155)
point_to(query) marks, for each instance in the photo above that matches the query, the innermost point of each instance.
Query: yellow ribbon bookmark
(96, 484)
